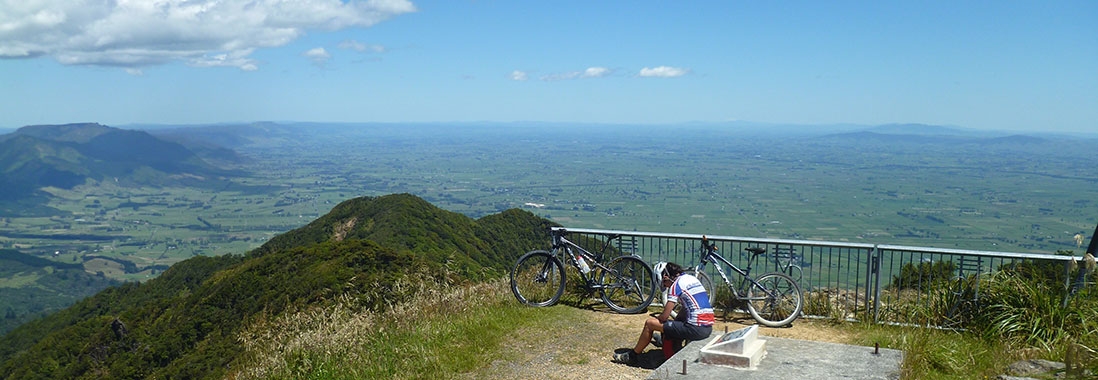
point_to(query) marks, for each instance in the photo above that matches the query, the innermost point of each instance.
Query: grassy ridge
(440, 333)
(187, 322)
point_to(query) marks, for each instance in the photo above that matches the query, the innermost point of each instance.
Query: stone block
(738, 349)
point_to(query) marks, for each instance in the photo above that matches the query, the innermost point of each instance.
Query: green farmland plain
(996, 193)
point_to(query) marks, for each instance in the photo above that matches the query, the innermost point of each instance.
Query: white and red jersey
(694, 298)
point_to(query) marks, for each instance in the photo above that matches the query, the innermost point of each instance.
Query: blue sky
(1025, 65)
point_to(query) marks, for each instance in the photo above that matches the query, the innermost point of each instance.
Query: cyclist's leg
(676, 334)
(673, 332)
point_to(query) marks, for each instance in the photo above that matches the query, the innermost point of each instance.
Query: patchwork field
(984, 194)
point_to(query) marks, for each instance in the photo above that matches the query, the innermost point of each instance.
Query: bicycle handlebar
(705, 243)
(711, 249)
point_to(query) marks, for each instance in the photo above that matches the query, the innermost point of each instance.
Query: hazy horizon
(1016, 66)
(751, 127)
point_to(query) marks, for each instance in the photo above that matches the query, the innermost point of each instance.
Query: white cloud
(663, 72)
(518, 75)
(318, 55)
(361, 47)
(238, 58)
(591, 72)
(203, 33)
(596, 72)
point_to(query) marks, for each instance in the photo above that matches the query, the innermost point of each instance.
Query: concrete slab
(738, 349)
(790, 359)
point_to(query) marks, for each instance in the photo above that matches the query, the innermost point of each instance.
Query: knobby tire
(778, 303)
(538, 279)
(628, 286)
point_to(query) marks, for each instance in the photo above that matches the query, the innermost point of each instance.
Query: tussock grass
(444, 331)
(441, 332)
(1020, 314)
(936, 354)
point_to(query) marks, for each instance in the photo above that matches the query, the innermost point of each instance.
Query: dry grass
(342, 341)
(479, 331)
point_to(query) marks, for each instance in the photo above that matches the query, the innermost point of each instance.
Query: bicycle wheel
(794, 272)
(628, 286)
(776, 301)
(721, 295)
(538, 279)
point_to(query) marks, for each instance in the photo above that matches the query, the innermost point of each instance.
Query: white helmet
(659, 268)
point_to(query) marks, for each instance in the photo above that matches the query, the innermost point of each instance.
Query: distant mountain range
(65, 156)
(933, 134)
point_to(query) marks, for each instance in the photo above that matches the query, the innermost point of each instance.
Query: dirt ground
(584, 350)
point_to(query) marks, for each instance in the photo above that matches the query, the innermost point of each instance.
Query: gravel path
(581, 348)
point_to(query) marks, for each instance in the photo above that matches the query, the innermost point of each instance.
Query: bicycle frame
(711, 255)
(569, 249)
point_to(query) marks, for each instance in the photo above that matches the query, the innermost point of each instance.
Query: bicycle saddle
(755, 250)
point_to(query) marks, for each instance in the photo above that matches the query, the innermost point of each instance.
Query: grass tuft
(442, 330)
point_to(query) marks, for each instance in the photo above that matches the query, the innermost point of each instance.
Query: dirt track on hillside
(583, 351)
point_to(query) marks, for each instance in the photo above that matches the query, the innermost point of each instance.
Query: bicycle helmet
(659, 268)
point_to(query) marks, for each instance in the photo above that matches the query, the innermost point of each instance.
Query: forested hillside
(185, 323)
(35, 286)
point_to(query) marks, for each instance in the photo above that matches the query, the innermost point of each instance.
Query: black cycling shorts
(678, 330)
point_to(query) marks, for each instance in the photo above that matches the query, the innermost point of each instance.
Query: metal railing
(873, 282)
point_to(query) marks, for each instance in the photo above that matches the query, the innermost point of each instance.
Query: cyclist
(694, 322)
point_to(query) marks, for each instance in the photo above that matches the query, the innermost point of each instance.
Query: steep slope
(48, 286)
(185, 323)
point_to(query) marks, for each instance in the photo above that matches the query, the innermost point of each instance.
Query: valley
(127, 233)
(970, 193)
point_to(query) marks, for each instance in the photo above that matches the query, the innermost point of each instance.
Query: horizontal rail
(945, 251)
(885, 283)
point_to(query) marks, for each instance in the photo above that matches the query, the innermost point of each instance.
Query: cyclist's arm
(667, 308)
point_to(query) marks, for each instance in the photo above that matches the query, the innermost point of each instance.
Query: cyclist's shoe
(627, 357)
(657, 339)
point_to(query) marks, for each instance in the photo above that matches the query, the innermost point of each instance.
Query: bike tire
(794, 272)
(778, 303)
(628, 286)
(538, 279)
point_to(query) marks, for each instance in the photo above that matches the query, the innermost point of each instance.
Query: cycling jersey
(694, 298)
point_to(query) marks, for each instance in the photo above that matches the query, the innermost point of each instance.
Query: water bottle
(582, 264)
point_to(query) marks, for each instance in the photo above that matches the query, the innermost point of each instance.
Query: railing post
(876, 270)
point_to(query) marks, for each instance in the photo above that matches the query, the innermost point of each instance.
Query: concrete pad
(738, 349)
(790, 359)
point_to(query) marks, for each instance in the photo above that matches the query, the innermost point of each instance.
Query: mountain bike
(773, 299)
(626, 283)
